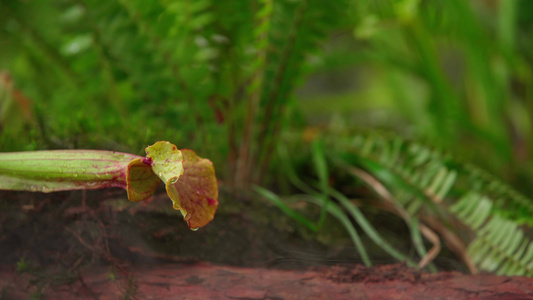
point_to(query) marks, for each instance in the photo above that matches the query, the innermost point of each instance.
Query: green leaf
(320, 165)
(322, 171)
(339, 214)
(365, 225)
(285, 208)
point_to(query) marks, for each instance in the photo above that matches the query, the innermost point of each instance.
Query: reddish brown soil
(205, 281)
(97, 245)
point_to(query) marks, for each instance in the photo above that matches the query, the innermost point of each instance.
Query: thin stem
(254, 92)
(274, 106)
(368, 228)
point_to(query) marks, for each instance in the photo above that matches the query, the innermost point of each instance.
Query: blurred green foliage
(121, 74)
(221, 75)
(454, 73)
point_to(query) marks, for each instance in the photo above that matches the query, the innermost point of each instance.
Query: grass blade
(284, 208)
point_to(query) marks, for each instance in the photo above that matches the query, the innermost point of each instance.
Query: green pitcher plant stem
(189, 179)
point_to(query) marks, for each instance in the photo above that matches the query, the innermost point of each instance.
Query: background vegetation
(321, 97)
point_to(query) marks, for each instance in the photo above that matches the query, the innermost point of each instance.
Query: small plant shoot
(189, 179)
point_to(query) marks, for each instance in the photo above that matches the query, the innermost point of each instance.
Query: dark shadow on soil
(51, 239)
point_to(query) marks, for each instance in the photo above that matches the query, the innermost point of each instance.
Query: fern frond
(298, 28)
(500, 245)
(422, 177)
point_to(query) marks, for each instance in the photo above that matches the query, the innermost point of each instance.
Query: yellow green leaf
(166, 161)
(141, 180)
(195, 194)
(190, 180)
